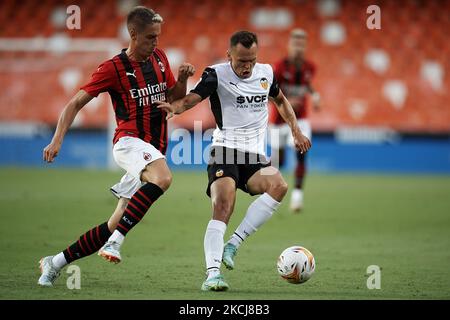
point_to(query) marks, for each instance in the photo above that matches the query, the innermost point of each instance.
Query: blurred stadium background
(384, 92)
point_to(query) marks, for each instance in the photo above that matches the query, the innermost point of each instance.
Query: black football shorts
(238, 165)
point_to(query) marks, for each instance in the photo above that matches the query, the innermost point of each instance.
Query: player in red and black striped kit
(135, 79)
(294, 75)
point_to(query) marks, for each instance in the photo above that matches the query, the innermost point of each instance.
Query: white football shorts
(132, 155)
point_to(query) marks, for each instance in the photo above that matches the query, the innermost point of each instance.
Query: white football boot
(110, 251)
(296, 204)
(49, 273)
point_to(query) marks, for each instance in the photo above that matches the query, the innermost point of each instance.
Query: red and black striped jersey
(295, 82)
(134, 87)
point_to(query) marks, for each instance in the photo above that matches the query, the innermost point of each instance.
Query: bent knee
(278, 189)
(164, 182)
(223, 207)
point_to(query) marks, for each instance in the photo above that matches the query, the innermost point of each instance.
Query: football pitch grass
(399, 223)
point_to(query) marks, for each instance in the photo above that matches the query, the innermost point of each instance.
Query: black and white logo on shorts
(147, 156)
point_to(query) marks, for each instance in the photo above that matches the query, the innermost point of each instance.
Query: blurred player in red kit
(294, 74)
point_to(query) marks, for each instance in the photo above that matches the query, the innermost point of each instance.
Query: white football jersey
(240, 106)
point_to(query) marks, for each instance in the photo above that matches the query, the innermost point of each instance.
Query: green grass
(400, 223)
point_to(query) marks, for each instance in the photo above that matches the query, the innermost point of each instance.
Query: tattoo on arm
(124, 203)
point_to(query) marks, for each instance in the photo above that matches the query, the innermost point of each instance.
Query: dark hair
(246, 38)
(141, 16)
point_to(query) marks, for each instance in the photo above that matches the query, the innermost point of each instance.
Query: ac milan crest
(147, 156)
(161, 66)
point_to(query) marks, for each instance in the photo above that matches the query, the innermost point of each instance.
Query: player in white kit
(238, 92)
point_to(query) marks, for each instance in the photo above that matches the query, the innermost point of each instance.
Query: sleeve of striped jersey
(274, 88)
(207, 84)
(277, 71)
(170, 78)
(101, 80)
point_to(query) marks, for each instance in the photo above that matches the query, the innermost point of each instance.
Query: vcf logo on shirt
(251, 99)
(254, 103)
(149, 94)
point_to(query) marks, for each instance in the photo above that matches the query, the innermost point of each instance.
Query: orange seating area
(412, 32)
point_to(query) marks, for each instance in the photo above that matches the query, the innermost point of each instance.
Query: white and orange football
(296, 264)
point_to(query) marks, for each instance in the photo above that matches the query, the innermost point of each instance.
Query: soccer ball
(296, 264)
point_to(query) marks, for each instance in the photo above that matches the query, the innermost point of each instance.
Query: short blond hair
(141, 16)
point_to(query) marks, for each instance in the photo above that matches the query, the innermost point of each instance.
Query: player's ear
(133, 33)
(229, 55)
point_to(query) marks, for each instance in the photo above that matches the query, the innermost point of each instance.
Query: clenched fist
(51, 151)
(185, 71)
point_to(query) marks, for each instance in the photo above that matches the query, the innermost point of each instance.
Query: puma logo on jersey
(131, 74)
(234, 84)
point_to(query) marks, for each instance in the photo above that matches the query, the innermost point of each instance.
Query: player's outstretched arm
(65, 120)
(180, 105)
(301, 142)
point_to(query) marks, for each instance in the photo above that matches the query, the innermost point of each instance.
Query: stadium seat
(343, 77)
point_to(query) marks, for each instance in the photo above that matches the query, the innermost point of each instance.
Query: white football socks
(59, 261)
(117, 237)
(258, 213)
(213, 245)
